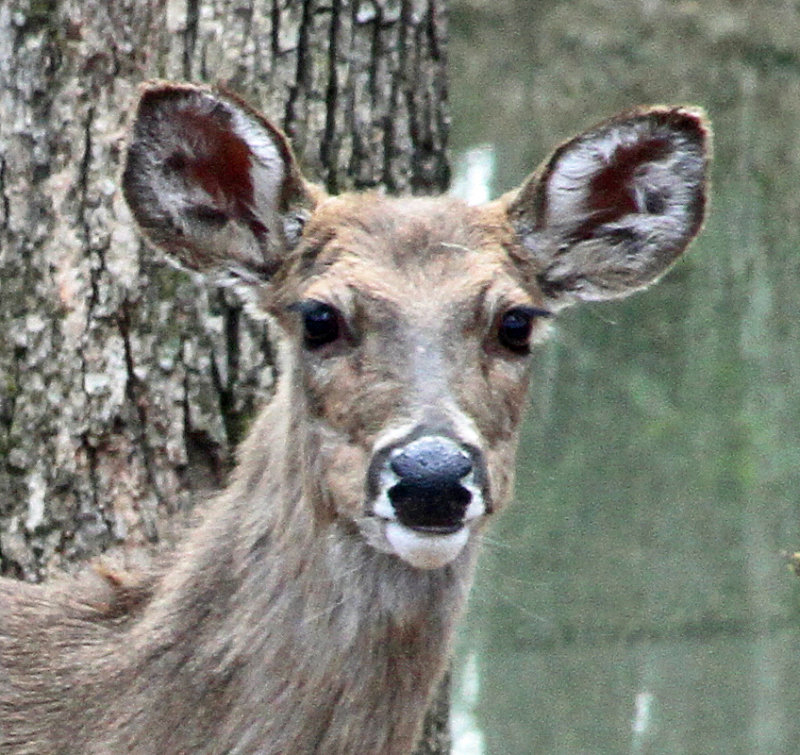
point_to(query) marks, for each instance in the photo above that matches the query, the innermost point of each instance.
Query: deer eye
(516, 324)
(320, 323)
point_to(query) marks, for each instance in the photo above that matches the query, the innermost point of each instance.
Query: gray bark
(125, 384)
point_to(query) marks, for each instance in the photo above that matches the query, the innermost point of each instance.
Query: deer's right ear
(213, 183)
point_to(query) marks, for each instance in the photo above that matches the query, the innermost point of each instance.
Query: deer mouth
(424, 549)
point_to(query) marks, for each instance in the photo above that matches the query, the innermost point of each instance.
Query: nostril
(430, 461)
(439, 509)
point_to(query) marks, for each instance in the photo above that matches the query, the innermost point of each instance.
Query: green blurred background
(635, 599)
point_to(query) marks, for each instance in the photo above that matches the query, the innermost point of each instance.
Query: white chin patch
(422, 550)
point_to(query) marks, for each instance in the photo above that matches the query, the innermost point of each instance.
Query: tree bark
(124, 384)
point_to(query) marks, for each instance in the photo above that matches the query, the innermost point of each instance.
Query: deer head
(408, 322)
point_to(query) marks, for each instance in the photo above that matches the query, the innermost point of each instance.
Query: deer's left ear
(614, 207)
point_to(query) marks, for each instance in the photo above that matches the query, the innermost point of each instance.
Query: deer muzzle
(428, 490)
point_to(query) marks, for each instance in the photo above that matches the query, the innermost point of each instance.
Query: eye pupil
(320, 324)
(516, 326)
(515, 329)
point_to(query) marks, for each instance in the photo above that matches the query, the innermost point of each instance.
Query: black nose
(430, 494)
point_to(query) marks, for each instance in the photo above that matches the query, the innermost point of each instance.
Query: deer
(313, 607)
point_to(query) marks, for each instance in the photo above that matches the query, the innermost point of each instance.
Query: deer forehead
(410, 256)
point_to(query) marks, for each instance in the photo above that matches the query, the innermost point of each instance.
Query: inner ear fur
(612, 208)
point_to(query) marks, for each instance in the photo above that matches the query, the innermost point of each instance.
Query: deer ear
(213, 183)
(614, 207)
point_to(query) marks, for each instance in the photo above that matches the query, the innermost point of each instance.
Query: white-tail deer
(313, 608)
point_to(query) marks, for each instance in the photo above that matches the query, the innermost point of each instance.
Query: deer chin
(425, 550)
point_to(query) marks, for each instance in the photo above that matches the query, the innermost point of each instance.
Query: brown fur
(279, 626)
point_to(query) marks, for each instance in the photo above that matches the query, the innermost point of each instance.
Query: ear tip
(692, 119)
(161, 87)
(159, 93)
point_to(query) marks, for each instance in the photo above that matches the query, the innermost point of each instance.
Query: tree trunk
(124, 384)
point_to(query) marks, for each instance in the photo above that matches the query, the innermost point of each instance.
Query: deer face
(411, 330)
(410, 321)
